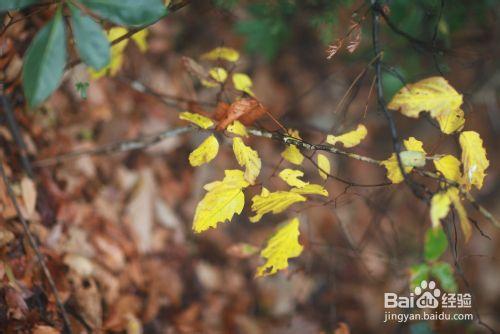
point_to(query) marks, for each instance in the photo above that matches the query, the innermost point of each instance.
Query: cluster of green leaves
(435, 246)
(46, 58)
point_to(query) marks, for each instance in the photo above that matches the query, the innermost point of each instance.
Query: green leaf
(6, 5)
(419, 272)
(435, 243)
(128, 12)
(81, 87)
(443, 272)
(44, 61)
(91, 41)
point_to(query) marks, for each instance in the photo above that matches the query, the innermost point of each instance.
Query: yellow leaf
(274, 202)
(243, 83)
(434, 95)
(205, 152)
(140, 39)
(218, 74)
(412, 158)
(473, 158)
(451, 121)
(392, 166)
(311, 189)
(228, 54)
(200, 120)
(454, 194)
(349, 139)
(248, 158)
(223, 199)
(323, 166)
(449, 166)
(117, 50)
(292, 153)
(291, 177)
(440, 206)
(283, 245)
(237, 128)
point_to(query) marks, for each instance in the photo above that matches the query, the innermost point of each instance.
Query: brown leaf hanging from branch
(354, 38)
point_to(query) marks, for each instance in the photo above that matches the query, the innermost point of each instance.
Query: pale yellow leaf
(225, 53)
(412, 158)
(392, 166)
(274, 202)
(451, 121)
(473, 159)
(449, 166)
(28, 191)
(433, 94)
(205, 152)
(242, 82)
(323, 166)
(440, 206)
(200, 120)
(248, 158)
(140, 39)
(223, 200)
(311, 189)
(349, 139)
(283, 245)
(237, 128)
(291, 177)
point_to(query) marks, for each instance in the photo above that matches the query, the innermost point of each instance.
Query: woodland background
(116, 227)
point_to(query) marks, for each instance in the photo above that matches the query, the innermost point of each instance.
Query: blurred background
(117, 227)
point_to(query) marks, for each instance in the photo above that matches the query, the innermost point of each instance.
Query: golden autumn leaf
(243, 82)
(451, 121)
(248, 158)
(433, 94)
(291, 177)
(217, 75)
(223, 199)
(225, 53)
(116, 60)
(237, 128)
(393, 171)
(440, 207)
(323, 166)
(205, 152)
(449, 166)
(292, 153)
(311, 189)
(349, 139)
(283, 245)
(473, 159)
(274, 202)
(200, 120)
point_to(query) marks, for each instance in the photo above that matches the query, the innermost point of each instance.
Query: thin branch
(36, 249)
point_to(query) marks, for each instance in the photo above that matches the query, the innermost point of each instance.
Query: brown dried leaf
(42, 329)
(246, 110)
(28, 190)
(333, 49)
(354, 38)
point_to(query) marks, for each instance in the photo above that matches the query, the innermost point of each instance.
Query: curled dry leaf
(354, 38)
(246, 110)
(333, 49)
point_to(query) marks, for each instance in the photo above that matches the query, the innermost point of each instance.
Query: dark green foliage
(128, 12)
(44, 61)
(90, 39)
